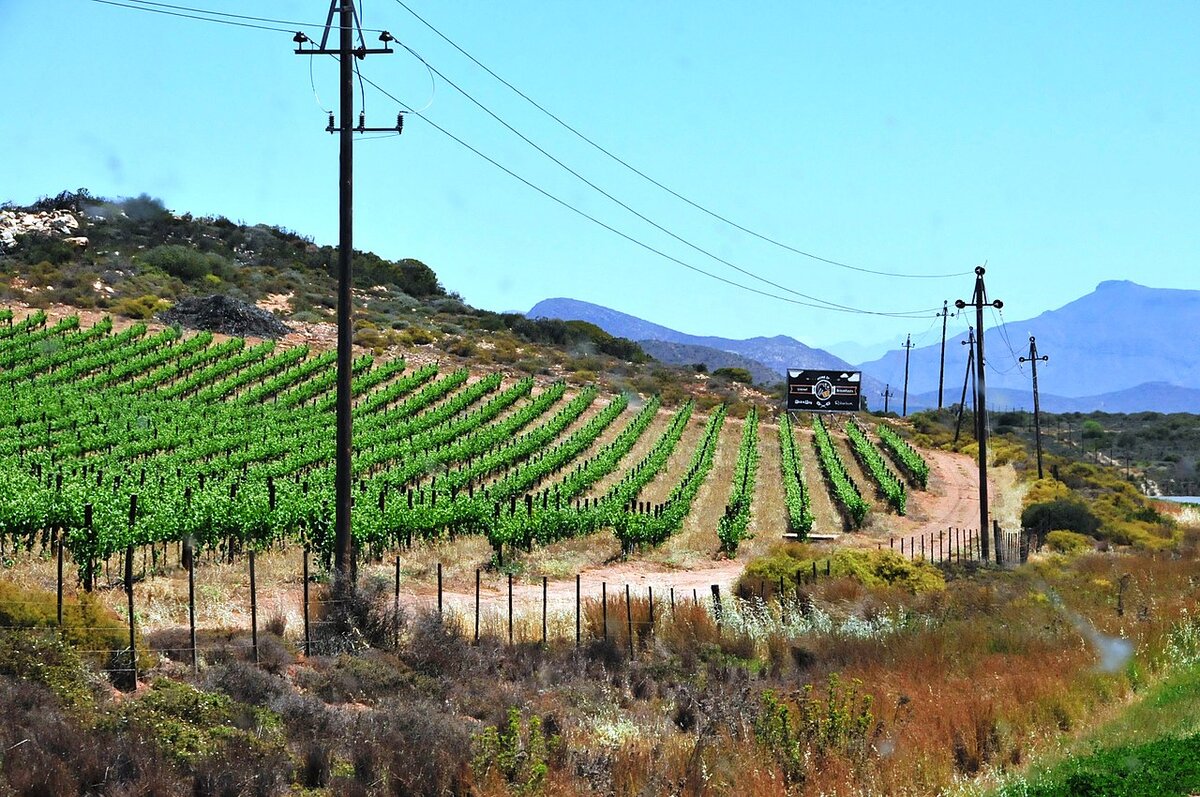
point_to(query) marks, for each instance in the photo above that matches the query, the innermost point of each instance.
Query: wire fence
(515, 613)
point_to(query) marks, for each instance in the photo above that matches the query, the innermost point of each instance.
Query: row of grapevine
(731, 528)
(162, 437)
(634, 530)
(795, 493)
(905, 455)
(890, 485)
(843, 489)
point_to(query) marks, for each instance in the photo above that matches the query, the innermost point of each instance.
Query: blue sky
(1055, 141)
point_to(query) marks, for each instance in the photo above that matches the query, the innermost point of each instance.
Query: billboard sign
(823, 391)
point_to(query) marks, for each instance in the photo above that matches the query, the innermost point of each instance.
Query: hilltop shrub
(142, 307)
(187, 263)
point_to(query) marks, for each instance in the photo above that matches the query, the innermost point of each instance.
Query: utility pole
(1037, 414)
(887, 394)
(968, 378)
(908, 344)
(348, 25)
(942, 368)
(979, 300)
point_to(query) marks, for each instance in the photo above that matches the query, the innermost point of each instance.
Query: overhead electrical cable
(231, 22)
(210, 13)
(626, 236)
(714, 214)
(591, 184)
(237, 21)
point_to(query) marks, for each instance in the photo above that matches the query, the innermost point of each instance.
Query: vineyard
(115, 439)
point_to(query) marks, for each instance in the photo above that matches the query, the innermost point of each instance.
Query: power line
(212, 13)
(614, 199)
(815, 303)
(651, 180)
(626, 236)
(165, 12)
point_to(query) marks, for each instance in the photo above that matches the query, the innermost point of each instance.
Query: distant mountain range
(1122, 348)
(766, 358)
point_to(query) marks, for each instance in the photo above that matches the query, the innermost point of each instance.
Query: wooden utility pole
(908, 345)
(887, 394)
(347, 26)
(979, 300)
(1037, 414)
(968, 378)
(942, 367)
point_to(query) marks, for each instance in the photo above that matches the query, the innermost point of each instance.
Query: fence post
(129, 590)
(253, 609)
(672, 602)
(61, 540)
(650, 592)
(89, 573)
(716, 597)
(191, 566)
(629, 619)
(439, 576)
(996, 536)
(396, 608)
(510, 610)
(477, 606)
(307, 635)
(578, 616)
(604, 607)
(544, 610)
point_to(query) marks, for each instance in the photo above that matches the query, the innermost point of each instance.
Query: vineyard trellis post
(979, 300)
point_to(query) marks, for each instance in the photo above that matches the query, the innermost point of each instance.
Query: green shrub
(143, 307)
(515, 753)
(734, 375)
(87, 624)
(187, 263)
(793, 561)
(1061, 541)
(46, 658)
(1061, 513)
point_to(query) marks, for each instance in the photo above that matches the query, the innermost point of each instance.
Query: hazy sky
(1056, 141)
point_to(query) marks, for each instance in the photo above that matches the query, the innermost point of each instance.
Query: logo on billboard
(823, 391)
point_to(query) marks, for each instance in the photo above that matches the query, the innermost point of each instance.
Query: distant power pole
(347, 26)
(968, 378)
(887, 394)
(942, 368)
(979, 301)
(1037, 414)
(908, 344)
